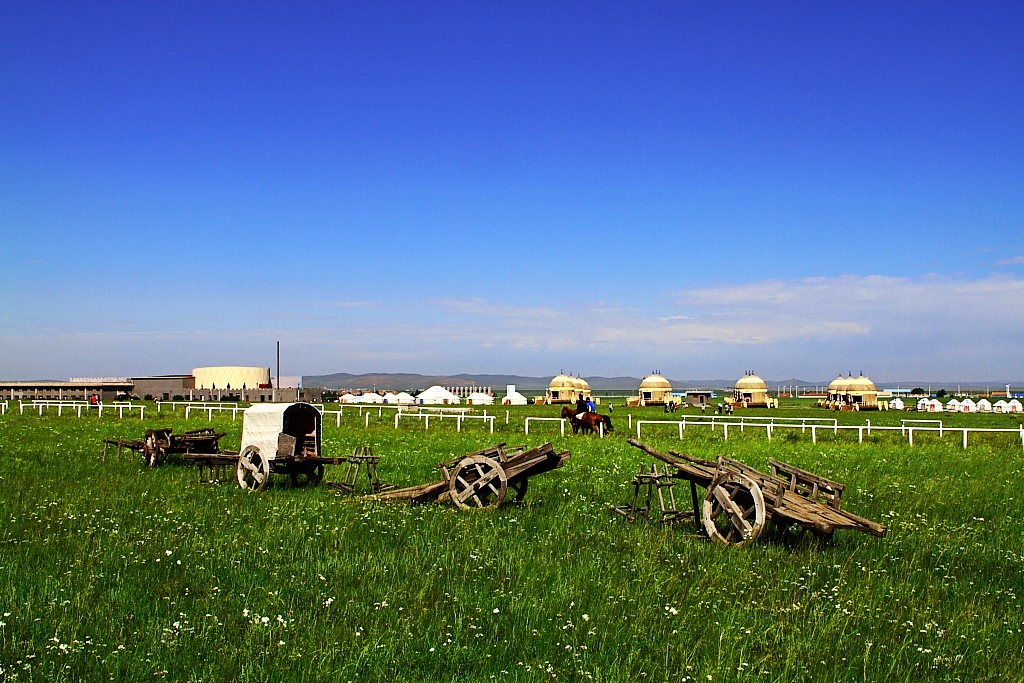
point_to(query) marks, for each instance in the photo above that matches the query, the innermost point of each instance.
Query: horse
(587, 422)
(592, 422)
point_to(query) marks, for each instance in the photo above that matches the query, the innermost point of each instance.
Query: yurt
(404, 398)
(751, 391)
(513, 397)
(984, 406)
(836, 393)
(1000, 406)
(479, 398)
(348, 398)
(566, 389)
(436, 395)
(924, 405)
(655, 390)
(862, 393)
(391, 398)
(935, 406)
(1014, 406)
(896, 404)
(371, 397)
(968, 406)
(953, 406)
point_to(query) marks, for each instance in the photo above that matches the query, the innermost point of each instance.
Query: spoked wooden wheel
(309, 475)
(152, 454)
(734, 512)
(252, 470)
(478, 482)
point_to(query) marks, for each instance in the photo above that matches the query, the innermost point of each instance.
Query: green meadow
(114, 572)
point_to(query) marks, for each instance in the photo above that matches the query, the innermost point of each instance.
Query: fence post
(814, 434)
(725, 429)
(965, 438)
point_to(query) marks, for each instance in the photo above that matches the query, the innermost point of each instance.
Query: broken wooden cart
(157, 444)
(483, 479)
(739, 501)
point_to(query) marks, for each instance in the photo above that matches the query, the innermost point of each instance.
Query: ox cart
(482, 479)
(740, 501)
(157, 444)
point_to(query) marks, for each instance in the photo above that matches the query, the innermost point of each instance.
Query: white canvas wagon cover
(262, 423)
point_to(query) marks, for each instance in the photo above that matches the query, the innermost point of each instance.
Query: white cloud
(1012, 261)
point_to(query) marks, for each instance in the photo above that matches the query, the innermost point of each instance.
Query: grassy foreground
(114, 572)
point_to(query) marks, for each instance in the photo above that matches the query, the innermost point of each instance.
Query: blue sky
(800, 189)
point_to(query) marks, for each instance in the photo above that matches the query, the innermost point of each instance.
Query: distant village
(257, 385)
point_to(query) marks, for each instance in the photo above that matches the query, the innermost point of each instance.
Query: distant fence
(42, 406)
(907, 428)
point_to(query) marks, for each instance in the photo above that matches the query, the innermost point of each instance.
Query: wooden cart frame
(483, 479)
(740, 501)
(157, 444)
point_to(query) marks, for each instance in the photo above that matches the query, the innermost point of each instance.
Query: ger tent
(480, 399)
(968, 406)
(437, 395)
(984, 406)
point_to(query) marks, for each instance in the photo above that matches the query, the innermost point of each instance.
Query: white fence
(427, 417)
(559, 420)
(42, 406)
(814, 424)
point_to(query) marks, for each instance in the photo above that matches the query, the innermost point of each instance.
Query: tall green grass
(115, 572)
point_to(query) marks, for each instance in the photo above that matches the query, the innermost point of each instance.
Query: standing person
(591, 406)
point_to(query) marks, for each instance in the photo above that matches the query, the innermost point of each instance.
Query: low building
(751, 391)
(566, 389)
(78, 389)
(654, 390)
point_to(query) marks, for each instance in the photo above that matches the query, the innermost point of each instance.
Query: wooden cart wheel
(478, 482)
(252, 470)
(310, 475)
(734, 511)
(152, 454)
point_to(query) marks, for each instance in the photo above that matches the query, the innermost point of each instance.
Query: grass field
(111, 571)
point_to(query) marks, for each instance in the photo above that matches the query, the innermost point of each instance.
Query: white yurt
(390, 398)
(479, 398)
(1000, 406)
(1014, 406)
(935, 406)
(371, 397)
(968, 406)
(984, 406)
(924, 405)
(896, 404)
(513, 397)
(437, 396)
(953, 406)
(404, 398)
(348, 398)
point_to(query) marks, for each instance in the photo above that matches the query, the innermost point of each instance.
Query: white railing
(196, 404)
(78, 406)
(426, 417)
(559, 420)
(3, 408)
(770, 427)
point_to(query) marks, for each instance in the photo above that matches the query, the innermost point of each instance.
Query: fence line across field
(770, 426)
(78, 406)
(559, 420)
(426, 417)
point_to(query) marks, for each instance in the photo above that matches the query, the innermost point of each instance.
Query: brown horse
(588, 423)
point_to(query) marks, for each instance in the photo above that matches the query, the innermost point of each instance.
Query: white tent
(953, 406)
(390, 398)
(1014, 406)
(405, 399)
(924, 405)
(896, 404)
(1000, 406)
(968, 406)
(371, 397)
(984, 406)
(513, 397)
(480, 399)
(348, 398)
(436, 395)
(935, 406)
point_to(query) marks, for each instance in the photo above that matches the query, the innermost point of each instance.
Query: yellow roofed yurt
(852, 393)
(654, 390)
(566, 389)
(751, 391)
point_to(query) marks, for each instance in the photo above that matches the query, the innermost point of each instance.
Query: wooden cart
(157, 444)
(483, 479)
(740, 501)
